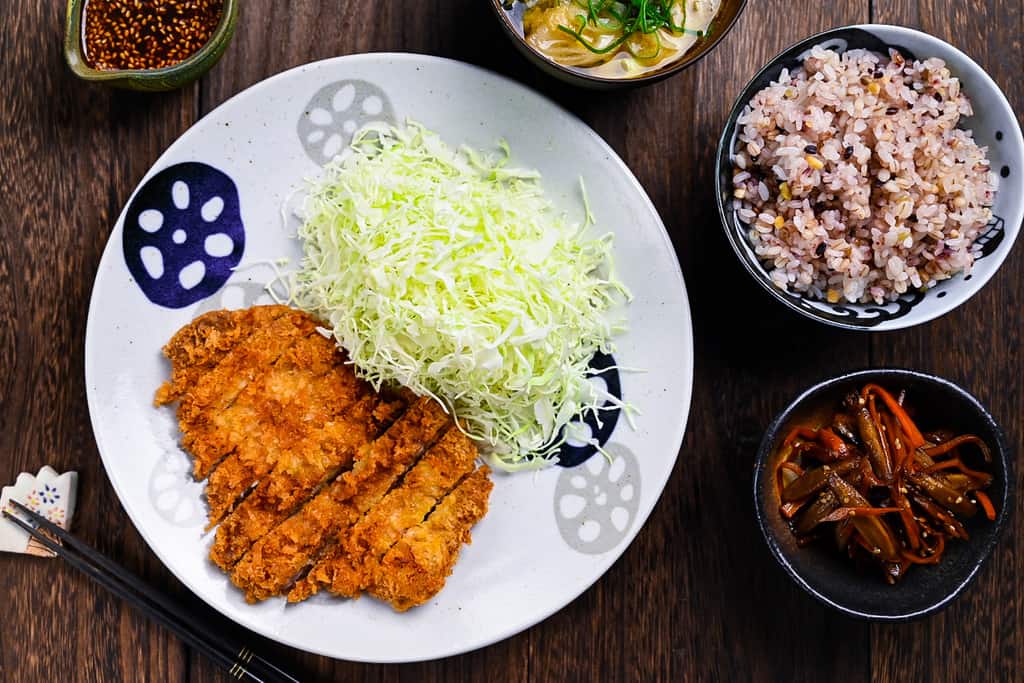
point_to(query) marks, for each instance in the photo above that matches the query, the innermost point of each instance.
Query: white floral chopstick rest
(49, 494)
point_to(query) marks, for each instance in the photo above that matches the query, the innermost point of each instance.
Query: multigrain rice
(854, 179)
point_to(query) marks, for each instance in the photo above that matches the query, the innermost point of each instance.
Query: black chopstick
(240, 662)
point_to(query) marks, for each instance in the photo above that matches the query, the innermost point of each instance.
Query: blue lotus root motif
(603, 368)
(183, 234)
(336, 112)
(597, 502)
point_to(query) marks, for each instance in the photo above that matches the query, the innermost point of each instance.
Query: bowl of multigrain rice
(871, 177)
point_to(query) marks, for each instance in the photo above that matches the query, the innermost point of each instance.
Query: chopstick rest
(49, 494)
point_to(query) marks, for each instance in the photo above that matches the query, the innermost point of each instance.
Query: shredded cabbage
(448, 272)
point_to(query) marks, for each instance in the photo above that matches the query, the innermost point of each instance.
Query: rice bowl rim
(974, 80)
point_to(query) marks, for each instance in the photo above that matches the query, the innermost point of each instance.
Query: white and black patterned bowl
(994, 126)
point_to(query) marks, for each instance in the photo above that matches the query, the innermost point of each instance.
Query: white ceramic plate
(548, 535)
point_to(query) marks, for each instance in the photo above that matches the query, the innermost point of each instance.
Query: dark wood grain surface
(697, 595)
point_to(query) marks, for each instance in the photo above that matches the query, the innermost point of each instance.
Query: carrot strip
(944, 465)
(833, 442)
(800, 432)
(947, 446)
(909, 428)
(931, 559)
(986, 505)
(957, 463)
(917, 559)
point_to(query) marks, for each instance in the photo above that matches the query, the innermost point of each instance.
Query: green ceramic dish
(167, 78)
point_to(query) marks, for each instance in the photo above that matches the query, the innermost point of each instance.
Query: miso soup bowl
(510, 16)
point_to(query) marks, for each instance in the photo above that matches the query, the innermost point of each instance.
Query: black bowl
(723, 22)
(831, 578)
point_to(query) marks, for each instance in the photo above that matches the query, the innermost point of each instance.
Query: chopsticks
(240, 662)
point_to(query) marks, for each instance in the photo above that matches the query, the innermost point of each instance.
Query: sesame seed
(129, 34)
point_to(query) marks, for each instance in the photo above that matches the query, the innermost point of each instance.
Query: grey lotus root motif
(597, 502)
(336, 112)
(174, 494)
(236, 295)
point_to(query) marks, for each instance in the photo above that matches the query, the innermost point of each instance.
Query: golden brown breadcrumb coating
(316, 480)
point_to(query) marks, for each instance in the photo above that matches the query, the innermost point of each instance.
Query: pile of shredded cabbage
(448, 272)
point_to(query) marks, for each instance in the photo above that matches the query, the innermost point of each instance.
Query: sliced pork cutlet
(274, 561)
(438, 471)
(278, 415)
(298, 472)
(198, 347)
(416, 568)
(270, 410)
(200, 409)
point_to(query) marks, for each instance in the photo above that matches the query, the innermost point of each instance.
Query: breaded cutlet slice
(417, 566)
(275, 406)
(198, 347)
(298, 472)
(217, 389)
(279, 416)
(274, 561)
(405, 506)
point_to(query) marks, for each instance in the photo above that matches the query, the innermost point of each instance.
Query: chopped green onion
(634, 17)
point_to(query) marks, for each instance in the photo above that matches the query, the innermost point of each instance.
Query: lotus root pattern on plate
(237, 294)
(596, 503)
(601, 423)
(183, 234)
(173, 492)
(334, 114)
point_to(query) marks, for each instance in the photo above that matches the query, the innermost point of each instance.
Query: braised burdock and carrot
(871, 482)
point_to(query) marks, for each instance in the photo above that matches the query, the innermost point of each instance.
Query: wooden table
(697, 595)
